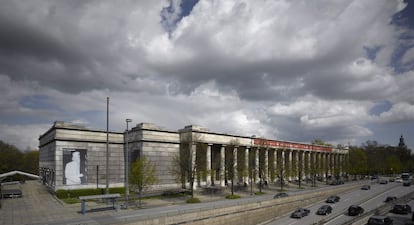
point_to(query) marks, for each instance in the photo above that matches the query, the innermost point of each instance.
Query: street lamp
(127, 164)
(251, 171)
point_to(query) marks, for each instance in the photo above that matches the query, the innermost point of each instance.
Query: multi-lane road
(367, 199)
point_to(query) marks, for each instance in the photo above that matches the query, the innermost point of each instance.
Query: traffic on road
(348, 206)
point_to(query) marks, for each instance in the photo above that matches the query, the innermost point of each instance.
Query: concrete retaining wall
(246, 213)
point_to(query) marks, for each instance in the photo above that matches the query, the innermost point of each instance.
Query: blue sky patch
(403, 19)
(380, 107)
(37, 102)
(371, 52)
(171, 16)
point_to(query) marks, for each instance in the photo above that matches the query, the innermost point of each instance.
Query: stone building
(254, 159)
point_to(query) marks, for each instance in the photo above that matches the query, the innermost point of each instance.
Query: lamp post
(107, 145)
(251, 171)
(127, 164)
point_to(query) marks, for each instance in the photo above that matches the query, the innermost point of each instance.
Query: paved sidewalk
(36, 205)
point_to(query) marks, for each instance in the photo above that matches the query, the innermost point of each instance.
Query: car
(390, 199)
(401, 209)
(281, 195)
(324, 210)
(365, 187)
(333, 199)
(337, 182)
(383, 182)
(300, 212)
(380, 220)
(355, 210)
(407, 183)
(391, 179)
(398, 180)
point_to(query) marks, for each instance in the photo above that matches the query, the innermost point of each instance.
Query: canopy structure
(12, 173)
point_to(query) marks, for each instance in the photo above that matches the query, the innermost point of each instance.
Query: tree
(31, 162)
(393, 164)
(185, 164)
(231, 168)
(10, 158)
(359, 161)
(280, 169)
(143, 175)
(201, 162)
(320, 142)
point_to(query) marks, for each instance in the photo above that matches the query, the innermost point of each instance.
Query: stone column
(193, 163)
(222, 166)
(283, 166)
(208, 164)
(340, 164)
(297, 163)
(323, 165)
(302, 165)
(330, 164)
(246, 165)
(275, 162)
(290, 164)
(306, 162)
(235, 175)
(266, 165)
(256, 164)
(318, 160)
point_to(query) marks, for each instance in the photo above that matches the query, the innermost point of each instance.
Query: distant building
(160, 146)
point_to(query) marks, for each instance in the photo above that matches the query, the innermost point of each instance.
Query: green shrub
(193, 200)
(260, 193)
(62, 194)
(232, 196)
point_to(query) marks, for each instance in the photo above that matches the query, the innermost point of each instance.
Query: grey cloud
(53, 46)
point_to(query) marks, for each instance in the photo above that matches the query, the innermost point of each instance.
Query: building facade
(73, 157)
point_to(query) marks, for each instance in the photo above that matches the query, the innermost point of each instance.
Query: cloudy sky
(337, 70)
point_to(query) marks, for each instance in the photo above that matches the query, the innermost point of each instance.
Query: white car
(398, 179)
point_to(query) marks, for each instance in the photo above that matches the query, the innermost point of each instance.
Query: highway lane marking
(334, 219)
(292, 222)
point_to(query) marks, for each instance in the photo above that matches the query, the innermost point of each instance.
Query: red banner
(292, 145)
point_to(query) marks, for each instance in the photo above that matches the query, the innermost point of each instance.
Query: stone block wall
(68, 137)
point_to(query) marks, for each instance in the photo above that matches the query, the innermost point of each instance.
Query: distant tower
(402, 143)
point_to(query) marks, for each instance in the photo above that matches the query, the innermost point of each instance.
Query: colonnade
(266, 164)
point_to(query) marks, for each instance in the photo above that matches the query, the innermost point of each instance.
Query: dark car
(365, 187)
(401, 209)
(383, 182)
(355, 210)
(336, 182)
(333, 199)
(324, 210)
(299, 213)
(390, 199)
(281, 195)
(407, 183)
(379, 220)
